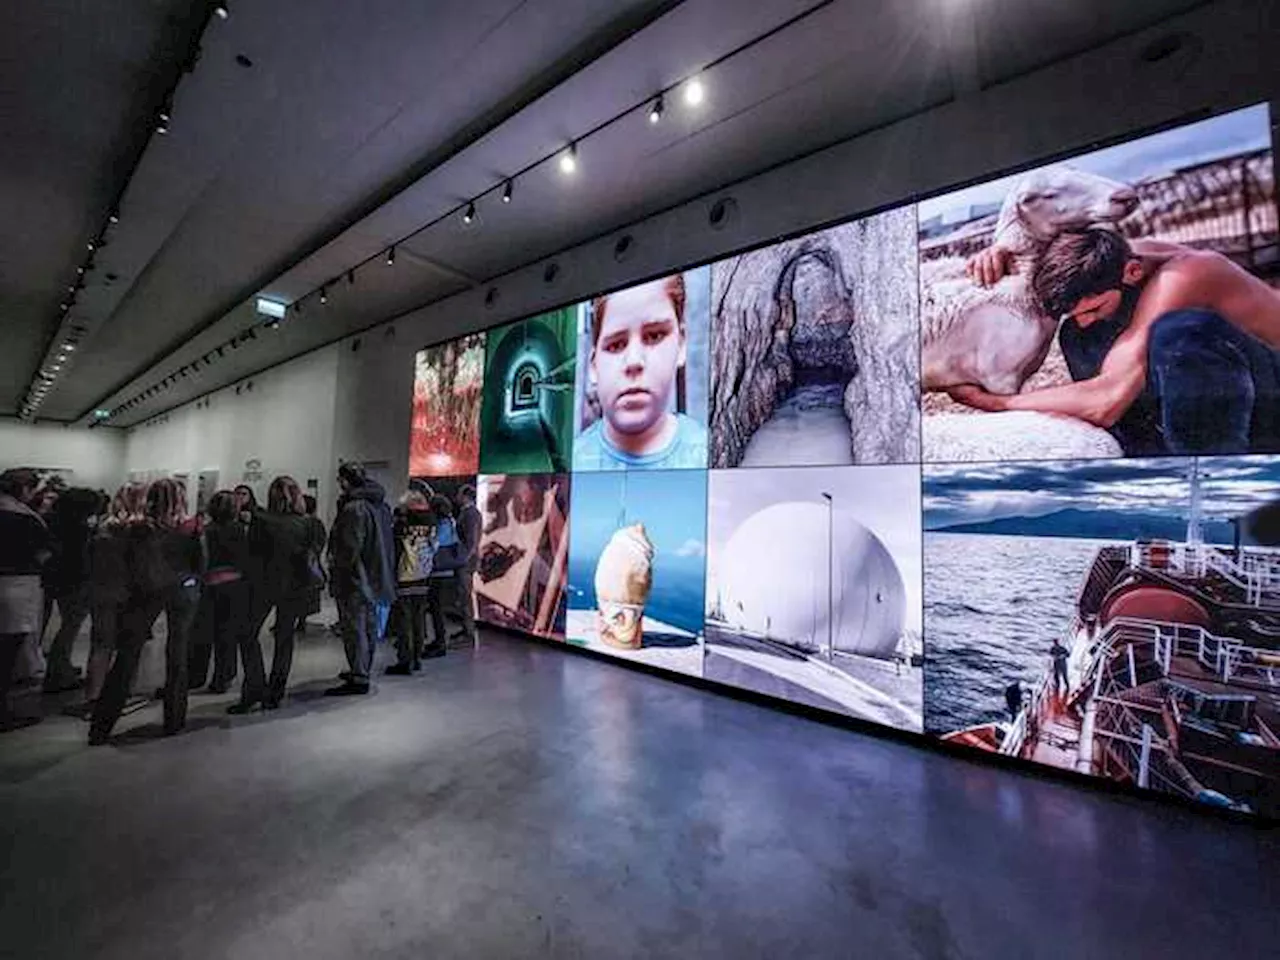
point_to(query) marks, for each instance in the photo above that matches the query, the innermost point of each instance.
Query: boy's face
(636, 356)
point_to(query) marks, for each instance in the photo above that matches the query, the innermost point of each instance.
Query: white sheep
(1015, 435)
(998, 336)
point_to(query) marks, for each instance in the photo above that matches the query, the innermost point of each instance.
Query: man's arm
(1103, 399)
(1100, 400)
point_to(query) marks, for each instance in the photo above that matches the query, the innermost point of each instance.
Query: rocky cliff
(843, 299)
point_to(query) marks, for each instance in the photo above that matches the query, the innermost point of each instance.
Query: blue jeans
(358, 619)
(1211, 387)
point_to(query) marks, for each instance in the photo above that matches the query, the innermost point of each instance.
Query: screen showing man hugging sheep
(981, 467)
(1120, 303)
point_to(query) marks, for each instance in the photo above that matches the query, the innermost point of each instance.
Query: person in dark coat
(72, 522)
(166, 564)
(24, 547)
(286, 546)
(363, 552)
(470, 526)
(321, 536)
(109, 588)
(226, 604)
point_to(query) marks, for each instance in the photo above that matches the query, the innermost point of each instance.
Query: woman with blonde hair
(285, 545)
(164, 565)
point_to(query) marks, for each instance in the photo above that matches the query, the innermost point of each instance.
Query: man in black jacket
(362, 547)
(470, 525)
(24, 547)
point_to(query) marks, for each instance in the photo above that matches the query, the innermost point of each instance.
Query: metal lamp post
(831, 645)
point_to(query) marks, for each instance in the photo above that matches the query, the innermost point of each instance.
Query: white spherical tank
(773, 581)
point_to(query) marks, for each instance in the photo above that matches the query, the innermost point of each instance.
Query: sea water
(993, 607)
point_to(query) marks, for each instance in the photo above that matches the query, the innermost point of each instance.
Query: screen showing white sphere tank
(993, 467)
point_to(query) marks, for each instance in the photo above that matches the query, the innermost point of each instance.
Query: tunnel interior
(815, 306)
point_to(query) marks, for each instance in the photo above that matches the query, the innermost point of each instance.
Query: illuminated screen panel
(718, 473)
(524, 551)
(641, 398)
(1126, 289)
(526, 418)
(637, 564)
(445, 439)
(815, 349)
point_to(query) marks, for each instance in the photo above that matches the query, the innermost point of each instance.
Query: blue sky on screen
(1146, 157)
(1230, 486)
(672, 505)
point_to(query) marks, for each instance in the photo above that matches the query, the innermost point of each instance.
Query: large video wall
(979, 467)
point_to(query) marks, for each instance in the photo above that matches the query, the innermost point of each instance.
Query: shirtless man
(1173, 350)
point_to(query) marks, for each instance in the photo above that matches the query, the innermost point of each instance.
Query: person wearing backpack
(448, 569)
(415, 536)
(165, 566)
(287, 547)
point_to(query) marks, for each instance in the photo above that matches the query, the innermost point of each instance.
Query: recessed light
(694, 93)
(569, 159)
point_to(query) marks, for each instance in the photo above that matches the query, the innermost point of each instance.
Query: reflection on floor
(809, 427)
(521, 801)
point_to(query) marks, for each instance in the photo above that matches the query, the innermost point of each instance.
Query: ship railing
(1255, 571)
(1130, 735)
(1227, 659)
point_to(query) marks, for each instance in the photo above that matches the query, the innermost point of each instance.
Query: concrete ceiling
(312, 134)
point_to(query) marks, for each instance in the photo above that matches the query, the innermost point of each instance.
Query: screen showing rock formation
(1000, 467)
(815, 349)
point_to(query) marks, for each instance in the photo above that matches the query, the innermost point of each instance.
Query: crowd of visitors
(123, 561)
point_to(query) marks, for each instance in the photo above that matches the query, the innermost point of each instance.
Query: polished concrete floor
(520, 801)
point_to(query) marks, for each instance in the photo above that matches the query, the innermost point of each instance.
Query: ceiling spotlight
(569, 159)
(324, 296)
(68, 347)
(113, 217)
(273, 325)
(694, 92)
(92, 245)
(655, 112)
(391, 256)
(64, 306)
(220, 10)
(79, 271)
(470, 215)
(506, 192)
(162, 121)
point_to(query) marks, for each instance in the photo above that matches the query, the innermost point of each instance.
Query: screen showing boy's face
(637, 353)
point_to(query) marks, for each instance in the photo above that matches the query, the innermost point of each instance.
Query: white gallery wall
(89, 458)
(278, 422)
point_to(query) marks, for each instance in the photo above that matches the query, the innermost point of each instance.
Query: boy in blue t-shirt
(639, 344)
